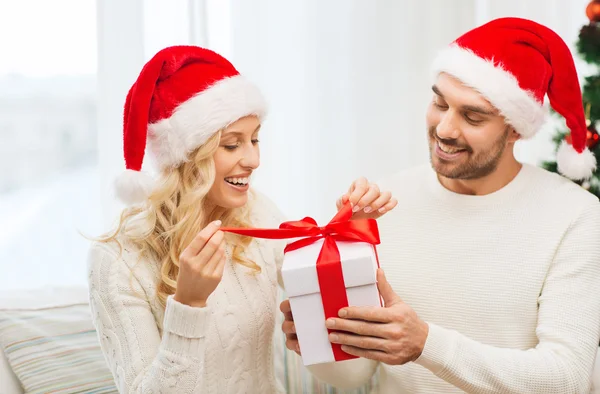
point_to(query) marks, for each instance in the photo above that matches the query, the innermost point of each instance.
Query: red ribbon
(329, 265)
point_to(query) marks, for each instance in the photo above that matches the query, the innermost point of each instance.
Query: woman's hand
(201, 266)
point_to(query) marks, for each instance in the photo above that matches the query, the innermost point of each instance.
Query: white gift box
(299, 272)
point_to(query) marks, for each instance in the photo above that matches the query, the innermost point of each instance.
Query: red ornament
(593, 11)
(592, 137)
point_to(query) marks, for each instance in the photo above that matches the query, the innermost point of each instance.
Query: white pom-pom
(574, 165)
(133, 187)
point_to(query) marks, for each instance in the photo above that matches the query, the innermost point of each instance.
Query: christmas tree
(588, 47)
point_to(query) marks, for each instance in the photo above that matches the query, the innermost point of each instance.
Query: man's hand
(393, 334)
(368, 202)
(289, 328)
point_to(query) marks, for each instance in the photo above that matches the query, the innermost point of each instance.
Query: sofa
(48, 344)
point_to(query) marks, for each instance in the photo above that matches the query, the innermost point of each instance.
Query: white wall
(348, 82)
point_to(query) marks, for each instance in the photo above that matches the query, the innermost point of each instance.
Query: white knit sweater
(508, 282)
(225, 347)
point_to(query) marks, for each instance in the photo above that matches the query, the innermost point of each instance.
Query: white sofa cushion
(49, 341)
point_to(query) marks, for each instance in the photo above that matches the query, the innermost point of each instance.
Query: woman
(179, 306)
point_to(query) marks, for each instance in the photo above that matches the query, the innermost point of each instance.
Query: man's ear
(513, 135)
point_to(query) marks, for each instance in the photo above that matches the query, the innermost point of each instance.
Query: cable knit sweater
(225, 347)
(508, 282)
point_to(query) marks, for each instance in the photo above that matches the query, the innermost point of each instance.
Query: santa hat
(514, 63)
(183, 95)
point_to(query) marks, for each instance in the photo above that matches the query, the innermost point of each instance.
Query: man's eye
(440, 106)
(474, 122)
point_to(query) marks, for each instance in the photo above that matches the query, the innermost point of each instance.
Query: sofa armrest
(9, 384)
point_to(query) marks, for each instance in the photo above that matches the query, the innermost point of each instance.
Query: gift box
(308, 293)
(324, 270)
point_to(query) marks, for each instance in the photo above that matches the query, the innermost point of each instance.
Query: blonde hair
(175, 212)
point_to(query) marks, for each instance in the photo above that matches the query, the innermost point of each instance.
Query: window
(48, 149)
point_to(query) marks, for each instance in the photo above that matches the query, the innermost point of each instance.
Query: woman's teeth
(237, 181)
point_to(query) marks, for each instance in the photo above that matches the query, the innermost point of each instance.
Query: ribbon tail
(344, 214)
(270, 233)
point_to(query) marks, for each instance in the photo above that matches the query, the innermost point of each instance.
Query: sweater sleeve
(139, 359)
(568, 329)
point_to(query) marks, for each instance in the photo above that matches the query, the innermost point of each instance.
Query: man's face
(467, 135)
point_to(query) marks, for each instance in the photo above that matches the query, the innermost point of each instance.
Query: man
(493, 266)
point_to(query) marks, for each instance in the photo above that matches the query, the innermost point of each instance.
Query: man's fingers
(374, 314)
(288, 327)
(385, 289)
(293, 345)
(357, 327)
(285, 306)
(370, 354)
(363, 342)
(286, 309)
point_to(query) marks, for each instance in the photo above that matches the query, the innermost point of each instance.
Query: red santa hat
(182, 96)
(514, 63)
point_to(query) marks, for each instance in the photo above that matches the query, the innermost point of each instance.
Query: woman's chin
(236, 203)
(228, 201)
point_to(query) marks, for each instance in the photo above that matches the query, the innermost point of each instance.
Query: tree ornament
(593, 11)
(592, 137)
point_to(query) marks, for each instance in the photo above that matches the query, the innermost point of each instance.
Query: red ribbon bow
(329, 266)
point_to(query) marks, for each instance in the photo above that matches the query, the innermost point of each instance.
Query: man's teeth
(237, 181)
(447, 149)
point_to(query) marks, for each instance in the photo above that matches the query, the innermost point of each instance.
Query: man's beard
(477, 164)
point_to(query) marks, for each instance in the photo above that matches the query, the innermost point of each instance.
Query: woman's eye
(230, 147)
(254, 142)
